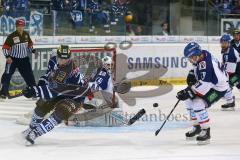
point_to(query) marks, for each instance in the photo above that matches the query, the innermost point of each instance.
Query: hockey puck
(155, 104)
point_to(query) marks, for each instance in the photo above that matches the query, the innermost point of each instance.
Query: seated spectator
(236, 9)
(139, 31)
(165, 29)
(129, 30)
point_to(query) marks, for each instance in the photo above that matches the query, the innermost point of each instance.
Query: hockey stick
(157, 131)
(127, 121)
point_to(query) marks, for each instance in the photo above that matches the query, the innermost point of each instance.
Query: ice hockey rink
(136, 142)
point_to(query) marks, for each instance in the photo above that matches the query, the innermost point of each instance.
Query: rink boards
(143, 64)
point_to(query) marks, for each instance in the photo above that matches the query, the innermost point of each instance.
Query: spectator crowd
(79, 12)
(227, 6)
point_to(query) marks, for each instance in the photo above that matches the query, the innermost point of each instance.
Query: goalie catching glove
(122, 87)
(185, 94)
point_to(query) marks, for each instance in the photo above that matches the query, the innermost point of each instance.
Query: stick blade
(157, 131)
(137, 116)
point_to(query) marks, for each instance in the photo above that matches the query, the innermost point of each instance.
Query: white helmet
(107, 63)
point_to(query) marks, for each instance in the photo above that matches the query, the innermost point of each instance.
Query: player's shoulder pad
(52, 60)
(205, 52)
(207, 56)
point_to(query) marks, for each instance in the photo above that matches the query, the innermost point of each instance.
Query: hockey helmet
(64, 52)
(192, 49)
(236, 31)
(225, 38)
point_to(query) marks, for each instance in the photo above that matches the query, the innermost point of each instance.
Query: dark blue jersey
(236, 45)
(56, 77)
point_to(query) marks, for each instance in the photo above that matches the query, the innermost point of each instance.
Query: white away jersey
(210, 75)
(230, 59)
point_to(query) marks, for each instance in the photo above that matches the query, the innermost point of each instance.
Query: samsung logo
(156, 62)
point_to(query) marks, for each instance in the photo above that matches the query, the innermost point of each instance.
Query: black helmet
(64, 52)
(236, 31)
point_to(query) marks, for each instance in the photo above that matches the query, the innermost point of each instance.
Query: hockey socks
(202, 118)
(35, 120)
(42, 128)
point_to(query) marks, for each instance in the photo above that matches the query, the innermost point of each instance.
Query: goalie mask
(107, 64)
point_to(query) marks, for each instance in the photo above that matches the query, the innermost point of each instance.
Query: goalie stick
(127, 121)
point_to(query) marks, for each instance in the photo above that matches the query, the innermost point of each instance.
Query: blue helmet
(225, 38)
(192, 49)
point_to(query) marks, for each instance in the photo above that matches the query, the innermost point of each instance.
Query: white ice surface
(136, 142)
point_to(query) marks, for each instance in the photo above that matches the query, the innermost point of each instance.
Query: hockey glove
(191, 79)
(41, 82)
(185, 94)
(30, 92)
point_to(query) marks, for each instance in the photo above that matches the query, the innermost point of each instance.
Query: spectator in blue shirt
(21, 8)
(7, 7)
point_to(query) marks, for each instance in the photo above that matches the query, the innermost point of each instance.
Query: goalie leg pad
(65, 108)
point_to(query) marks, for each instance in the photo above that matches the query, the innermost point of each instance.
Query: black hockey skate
(204, 137)
(3, 97)
(26, 132)
(21, 138)
(229, 106)
(191, 135)
(30, 138)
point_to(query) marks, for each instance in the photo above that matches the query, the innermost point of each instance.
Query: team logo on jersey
(26, 37)
(16, 39)
(60, 76)
(202, 65)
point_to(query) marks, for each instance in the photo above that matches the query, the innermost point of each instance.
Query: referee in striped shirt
(16, 48)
